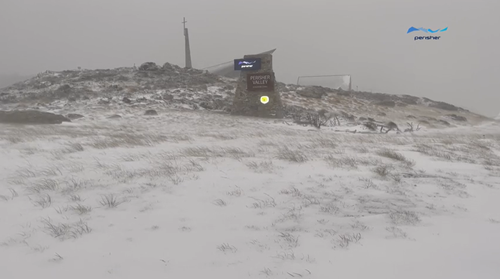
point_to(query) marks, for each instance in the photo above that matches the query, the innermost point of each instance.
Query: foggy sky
(364, 38)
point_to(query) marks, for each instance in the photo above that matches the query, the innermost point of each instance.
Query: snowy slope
(194, 194)
(172, 86)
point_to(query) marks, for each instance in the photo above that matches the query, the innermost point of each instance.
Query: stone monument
(254, 86)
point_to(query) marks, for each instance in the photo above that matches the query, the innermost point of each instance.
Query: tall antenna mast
(187, 48)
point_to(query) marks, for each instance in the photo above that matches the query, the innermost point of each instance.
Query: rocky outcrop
(31, 117)
(151, 112)
(457, 117)
(387, 103)
(74, 116)
(316, 92)
(149, 66)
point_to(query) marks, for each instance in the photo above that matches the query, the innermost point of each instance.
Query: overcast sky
(364, 38)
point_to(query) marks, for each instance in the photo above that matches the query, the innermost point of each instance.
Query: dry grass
(110, 201)
(324, 143)
(391, 154)
(342, 161)
(43, 201)
(382, 171)
(404, 218)
(260, 167)
(127, 140)
(287, 154)
(264, 203)
(227, 248)
(65, 230)
(206, 152)
(345, 240)
(81, 209)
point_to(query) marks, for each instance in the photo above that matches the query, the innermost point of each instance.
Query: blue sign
(252, 64)
(413, 29)
(431, 36)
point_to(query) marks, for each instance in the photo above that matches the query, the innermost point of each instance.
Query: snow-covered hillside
(194, 194)
(191, 191)
(151, 86)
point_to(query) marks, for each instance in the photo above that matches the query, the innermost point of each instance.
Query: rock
(151, 112)
(228, 87)
(206, 105)
(31, 117)
(457, 117)
(411, 117)
(444, 122)
(74, 116)
(115, 116)
(64, 89)
(168, 67)
(202, 87)
(370, 125)
(389, 104)
(316, 92)
(441, 105)
(126, 100)
(149, 66)
(428, 118)
(168, 97)
(381, 114)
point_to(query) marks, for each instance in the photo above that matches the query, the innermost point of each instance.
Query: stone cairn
(255, 84)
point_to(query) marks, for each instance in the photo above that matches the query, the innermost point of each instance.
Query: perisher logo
(247, 64)
(426, 30)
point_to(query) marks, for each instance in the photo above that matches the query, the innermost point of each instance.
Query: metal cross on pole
(187, 49)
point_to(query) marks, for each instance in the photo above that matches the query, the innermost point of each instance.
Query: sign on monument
(256, 93)
(253, 64)
(260, 82)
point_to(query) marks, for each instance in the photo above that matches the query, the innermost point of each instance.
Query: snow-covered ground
(194, 194)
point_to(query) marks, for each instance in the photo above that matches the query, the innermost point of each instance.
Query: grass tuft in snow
(296, 156)
(81, 209)
(110, 201)
(382, 171)
(43, 201)
(65, 231)
(404, 218)
(227, 248)
(264, 203)
(345, 240)
(391, 154)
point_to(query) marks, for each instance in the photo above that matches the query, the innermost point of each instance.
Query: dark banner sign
(252, 64)
(260, 82)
